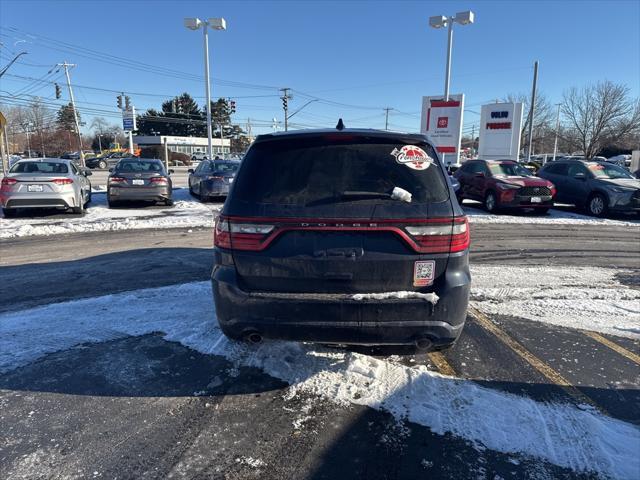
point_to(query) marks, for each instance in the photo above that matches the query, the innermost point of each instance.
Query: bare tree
(595, 114)
(543, 121)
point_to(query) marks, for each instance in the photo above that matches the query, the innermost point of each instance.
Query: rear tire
(79, 210)
(597, 205)
(88, 200)
(168, 202)
(112, 204)
(102, 165)
(491, 202)
(9, 212)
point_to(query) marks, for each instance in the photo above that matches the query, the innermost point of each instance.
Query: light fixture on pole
(440, 21)
(216, 24)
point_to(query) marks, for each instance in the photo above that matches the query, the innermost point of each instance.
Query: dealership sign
(442, 123)
(500, 125)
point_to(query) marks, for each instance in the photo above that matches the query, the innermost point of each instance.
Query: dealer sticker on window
(423, 273)
(412, 157)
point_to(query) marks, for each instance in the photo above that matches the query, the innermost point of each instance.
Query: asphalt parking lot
(131, 402)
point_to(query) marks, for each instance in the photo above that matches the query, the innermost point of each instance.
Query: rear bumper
(139, 193)
(38, 201)
(338, 318)
(214, 188)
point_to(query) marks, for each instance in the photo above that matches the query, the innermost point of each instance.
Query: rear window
(138, 166)
(40, 167)
(305, 171)
(223, 167)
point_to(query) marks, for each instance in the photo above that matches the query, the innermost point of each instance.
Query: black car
(344, 237)
(139, 179)
(599, 187)
(102, 162)
(212, 178)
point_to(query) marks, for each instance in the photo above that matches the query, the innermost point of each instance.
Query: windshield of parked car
(607, 171)
(223, 167)
(329, 170)
(138, 166)
(509, 169)
(39, 167)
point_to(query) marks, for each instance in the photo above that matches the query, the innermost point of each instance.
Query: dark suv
(342, 236)
(598, 187)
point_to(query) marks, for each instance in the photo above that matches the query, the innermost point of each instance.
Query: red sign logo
(443, 122)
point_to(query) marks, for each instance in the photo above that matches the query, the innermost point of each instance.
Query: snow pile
(565, 435)
(555, 216)
(429, 297)
(588, 298)
(186, 212)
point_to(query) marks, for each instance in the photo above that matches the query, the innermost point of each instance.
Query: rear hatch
(315, 214)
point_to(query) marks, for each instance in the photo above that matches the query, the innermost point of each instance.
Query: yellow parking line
(441, 364)
(614, 346)
(531, 359)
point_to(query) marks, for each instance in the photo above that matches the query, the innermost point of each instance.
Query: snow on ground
(579, 438)
(555, 216)
(186, 212)
(189, 212)
(587, 298)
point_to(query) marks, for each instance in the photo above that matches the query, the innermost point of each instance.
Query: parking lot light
(440, 21)
(194, 23)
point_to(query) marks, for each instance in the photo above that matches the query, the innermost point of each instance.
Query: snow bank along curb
(588, 298)
(580, 439)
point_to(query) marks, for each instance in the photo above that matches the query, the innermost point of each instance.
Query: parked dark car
(212, 178)
(102, 162)
(598, 187)
(501, 184)
(134, 179)
(342, 236)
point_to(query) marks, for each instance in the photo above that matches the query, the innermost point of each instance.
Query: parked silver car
(139, 179)
(45, 183)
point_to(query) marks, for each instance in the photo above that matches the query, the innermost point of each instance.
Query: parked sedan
(503, 184)
(212, 178)
(599, 187)
(102, 162)
(135, 179)
(45, 183)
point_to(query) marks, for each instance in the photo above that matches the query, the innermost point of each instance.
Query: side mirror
(111, 170)
(191, 170)
(171, 170)
(580, 176)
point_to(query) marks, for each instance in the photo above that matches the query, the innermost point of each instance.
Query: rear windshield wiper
(397, 194)
(363, 194)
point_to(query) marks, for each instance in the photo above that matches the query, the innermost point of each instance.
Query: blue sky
(360, 56)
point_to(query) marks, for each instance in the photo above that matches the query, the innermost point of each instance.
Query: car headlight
(507, 186)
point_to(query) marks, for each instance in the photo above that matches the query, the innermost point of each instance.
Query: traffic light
(127, 102)
(232, 106)
(58, 92)
(119, 97)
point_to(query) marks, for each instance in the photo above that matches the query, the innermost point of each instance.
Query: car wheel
(597, 205)
(491, 202)
(87, 199)
(191, 192)
(112, 204)
(168, 202)
(9, 212)
(102, 165)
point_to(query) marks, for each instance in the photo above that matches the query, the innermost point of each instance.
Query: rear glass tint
(226, 167)
(307, 170)
(138, 166)
(40, 167)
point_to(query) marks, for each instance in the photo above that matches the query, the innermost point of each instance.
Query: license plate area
(137, 182)
(34, 188)
(536, 199)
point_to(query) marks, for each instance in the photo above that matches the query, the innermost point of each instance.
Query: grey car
(599, 187)
(139, 179)
(212, 178)
(45, 183)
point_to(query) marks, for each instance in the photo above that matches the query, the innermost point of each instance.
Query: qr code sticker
(423, 273)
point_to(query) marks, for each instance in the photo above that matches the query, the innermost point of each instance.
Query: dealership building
(188, 145)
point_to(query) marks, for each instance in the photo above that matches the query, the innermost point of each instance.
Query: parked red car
(503, 184)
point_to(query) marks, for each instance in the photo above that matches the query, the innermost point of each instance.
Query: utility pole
(532, 109)
(386, 118)
(249, 127)
(473, 139)
(555, 143)
(285, 105)
(66, 66)
(26, 129)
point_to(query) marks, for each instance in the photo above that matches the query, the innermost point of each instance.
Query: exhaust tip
(422, 343)
(254, 338)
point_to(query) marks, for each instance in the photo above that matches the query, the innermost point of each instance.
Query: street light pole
(555, 143)
(66, 66)
(447, 77)
(216, 24)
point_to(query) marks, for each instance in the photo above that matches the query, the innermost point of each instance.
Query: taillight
(7, 183)
(441, 237)
(552, 187)
(241, 235)
(162, 180)
(62, 181)
(117, 180)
